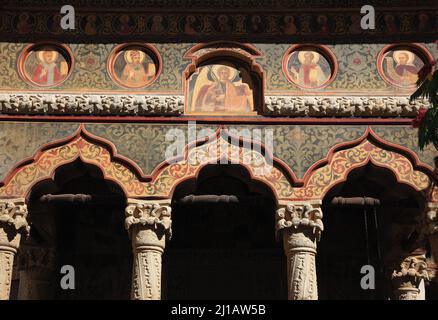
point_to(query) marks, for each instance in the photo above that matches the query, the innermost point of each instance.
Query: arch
(216, 148)
(81, 145)
(345, 157)
(252, 155)
(240, 55)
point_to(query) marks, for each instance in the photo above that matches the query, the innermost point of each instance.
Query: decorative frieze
(72, 104)
(301, 227)
(143, 105)
(342, 106)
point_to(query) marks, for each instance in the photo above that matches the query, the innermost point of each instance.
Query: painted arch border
(128, 175)
(309, 191)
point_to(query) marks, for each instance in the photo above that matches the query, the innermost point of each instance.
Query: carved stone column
(13, 225)
(148, 224)
(406, 280)
(37, 267)
(300, 225)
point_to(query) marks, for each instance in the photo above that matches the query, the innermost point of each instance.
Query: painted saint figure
(135, 73)
(219, 88)
(310, 73)
(47, 72)
(405, 71)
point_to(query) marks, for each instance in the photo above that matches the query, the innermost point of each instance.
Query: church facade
(216, 150)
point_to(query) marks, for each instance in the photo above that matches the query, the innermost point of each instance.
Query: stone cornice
(162, 105)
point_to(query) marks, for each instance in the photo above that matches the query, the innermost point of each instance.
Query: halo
(410, 55)
(41, 52)
(302, 53)
(215, 69)
(128, 56)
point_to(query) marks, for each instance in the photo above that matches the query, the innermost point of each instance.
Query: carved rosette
(148, 224)
(301, 226)
(13, 224)
(406, 280)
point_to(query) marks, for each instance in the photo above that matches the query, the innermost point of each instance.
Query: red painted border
(322, 50)
(210, 119)
(119, 48)
(248, 47)
(371, 136)
(25, 53)
(224, 54)
(81, 132)
(421, 51)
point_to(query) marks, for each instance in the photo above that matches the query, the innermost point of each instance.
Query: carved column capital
(154, 215)
(13, 222)
(304, 219)
(148, 224)
(301, 225)
(406, 279)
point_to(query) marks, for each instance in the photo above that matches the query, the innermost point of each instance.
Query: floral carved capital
(411, 271)
(149, 214)
(13, 213)
(300, 215)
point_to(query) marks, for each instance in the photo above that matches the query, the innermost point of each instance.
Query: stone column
(37, 273)
(407, 279)
(149, 225)
(300, 225)
(13, 225)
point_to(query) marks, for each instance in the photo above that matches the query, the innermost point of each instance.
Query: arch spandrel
(216, 149)
(82, 145)
(345, 157)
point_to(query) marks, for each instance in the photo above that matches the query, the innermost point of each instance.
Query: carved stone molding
(301, 227)
(343, 106)
(406, 280)
(148, 224)
(138, 105)
(91, 104)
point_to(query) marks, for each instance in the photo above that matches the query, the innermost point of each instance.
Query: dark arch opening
(223, 244)
(358, 235)
(84, 232)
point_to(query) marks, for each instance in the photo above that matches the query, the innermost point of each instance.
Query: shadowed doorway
(369, 219)
(223, 244)
(79, 216)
